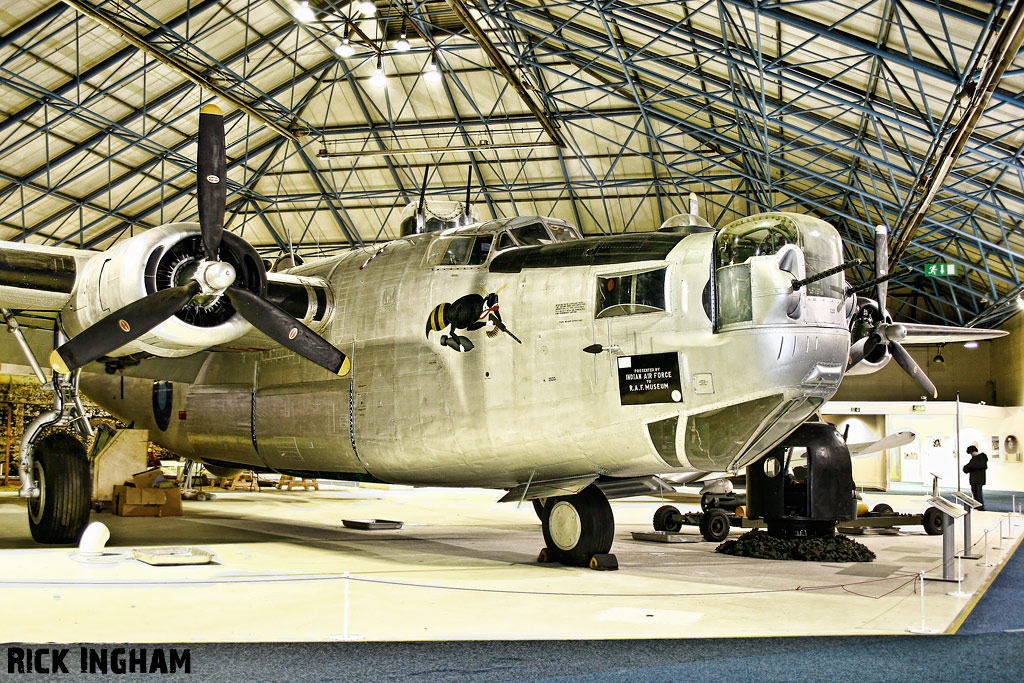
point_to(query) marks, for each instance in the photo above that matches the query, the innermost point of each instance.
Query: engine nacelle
(868, 366)
(166, 256)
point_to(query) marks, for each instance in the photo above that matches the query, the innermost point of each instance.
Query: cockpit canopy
(474, 245)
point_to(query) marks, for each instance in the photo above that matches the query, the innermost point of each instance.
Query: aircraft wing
(940, 334)
(886, 442)
(38, 278)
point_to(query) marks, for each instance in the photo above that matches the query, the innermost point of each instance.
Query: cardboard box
(145, 480)
(131, 501)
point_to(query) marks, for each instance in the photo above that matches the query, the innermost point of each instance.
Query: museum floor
(462, 567)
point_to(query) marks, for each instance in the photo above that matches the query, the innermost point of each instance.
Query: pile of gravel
(761, 544)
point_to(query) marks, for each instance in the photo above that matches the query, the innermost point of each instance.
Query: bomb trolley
(715, 523)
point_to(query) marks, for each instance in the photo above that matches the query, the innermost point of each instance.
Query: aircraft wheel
(663, 519)
(579, 526)
(932, 521)
(882, 508)
(538, 507)
(61, 471)
(707, 502)
(714, 526)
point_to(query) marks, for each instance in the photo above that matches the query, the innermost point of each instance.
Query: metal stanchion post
(922, 629)
(959, 593)
(1009, 528)
(986, 563)
(1000, 536)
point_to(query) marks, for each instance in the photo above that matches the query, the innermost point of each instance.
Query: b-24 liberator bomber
(558, 369)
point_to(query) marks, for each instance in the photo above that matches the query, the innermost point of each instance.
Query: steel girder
(828, 107)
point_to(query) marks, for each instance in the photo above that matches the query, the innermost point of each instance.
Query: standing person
(976, 467)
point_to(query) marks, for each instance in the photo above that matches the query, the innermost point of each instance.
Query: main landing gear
(578, 530)
(60, 470)
(55, 474)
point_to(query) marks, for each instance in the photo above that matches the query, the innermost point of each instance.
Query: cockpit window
(481, 248)
(563, 233)
(629, 294)
(531, 234)
(504, 242)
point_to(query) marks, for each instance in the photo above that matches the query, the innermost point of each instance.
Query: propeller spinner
(211, 278)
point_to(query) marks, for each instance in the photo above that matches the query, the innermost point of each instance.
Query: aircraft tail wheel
(932, 521)
(61, 471)
(714, 526)
(579, 526)
(666, 518)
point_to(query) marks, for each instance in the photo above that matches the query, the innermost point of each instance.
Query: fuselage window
(630, 294)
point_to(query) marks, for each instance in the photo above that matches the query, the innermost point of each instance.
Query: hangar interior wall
(934, 449)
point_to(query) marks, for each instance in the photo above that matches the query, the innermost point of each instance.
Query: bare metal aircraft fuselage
(725, 364)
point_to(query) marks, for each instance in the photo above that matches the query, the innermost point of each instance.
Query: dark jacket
(976, 467)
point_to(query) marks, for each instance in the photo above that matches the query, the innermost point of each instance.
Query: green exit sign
(940, 269)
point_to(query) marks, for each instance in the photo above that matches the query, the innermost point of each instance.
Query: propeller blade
(941, 334)
(882, 264)
(274, 322)
(860, 349)
(211, 166)
(121, 327)
(905, 361)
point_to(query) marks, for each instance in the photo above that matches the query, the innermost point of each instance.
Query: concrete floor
(462, 567)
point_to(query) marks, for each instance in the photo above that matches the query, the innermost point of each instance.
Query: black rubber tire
(61, 470)
(663, 519)
(714, 525)
(596, 526)
(932, 521)
(883, 508)
(538, 507)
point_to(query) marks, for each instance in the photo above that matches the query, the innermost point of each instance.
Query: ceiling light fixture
(402, 44)
(431, 73)
(345, 48)
(1020, 302)
(304, 13)
(378, 79)
(938, 356)
(366, 8)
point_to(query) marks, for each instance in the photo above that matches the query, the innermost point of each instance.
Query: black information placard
(649, 378)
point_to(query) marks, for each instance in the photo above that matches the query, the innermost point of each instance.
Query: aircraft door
(301, 416)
